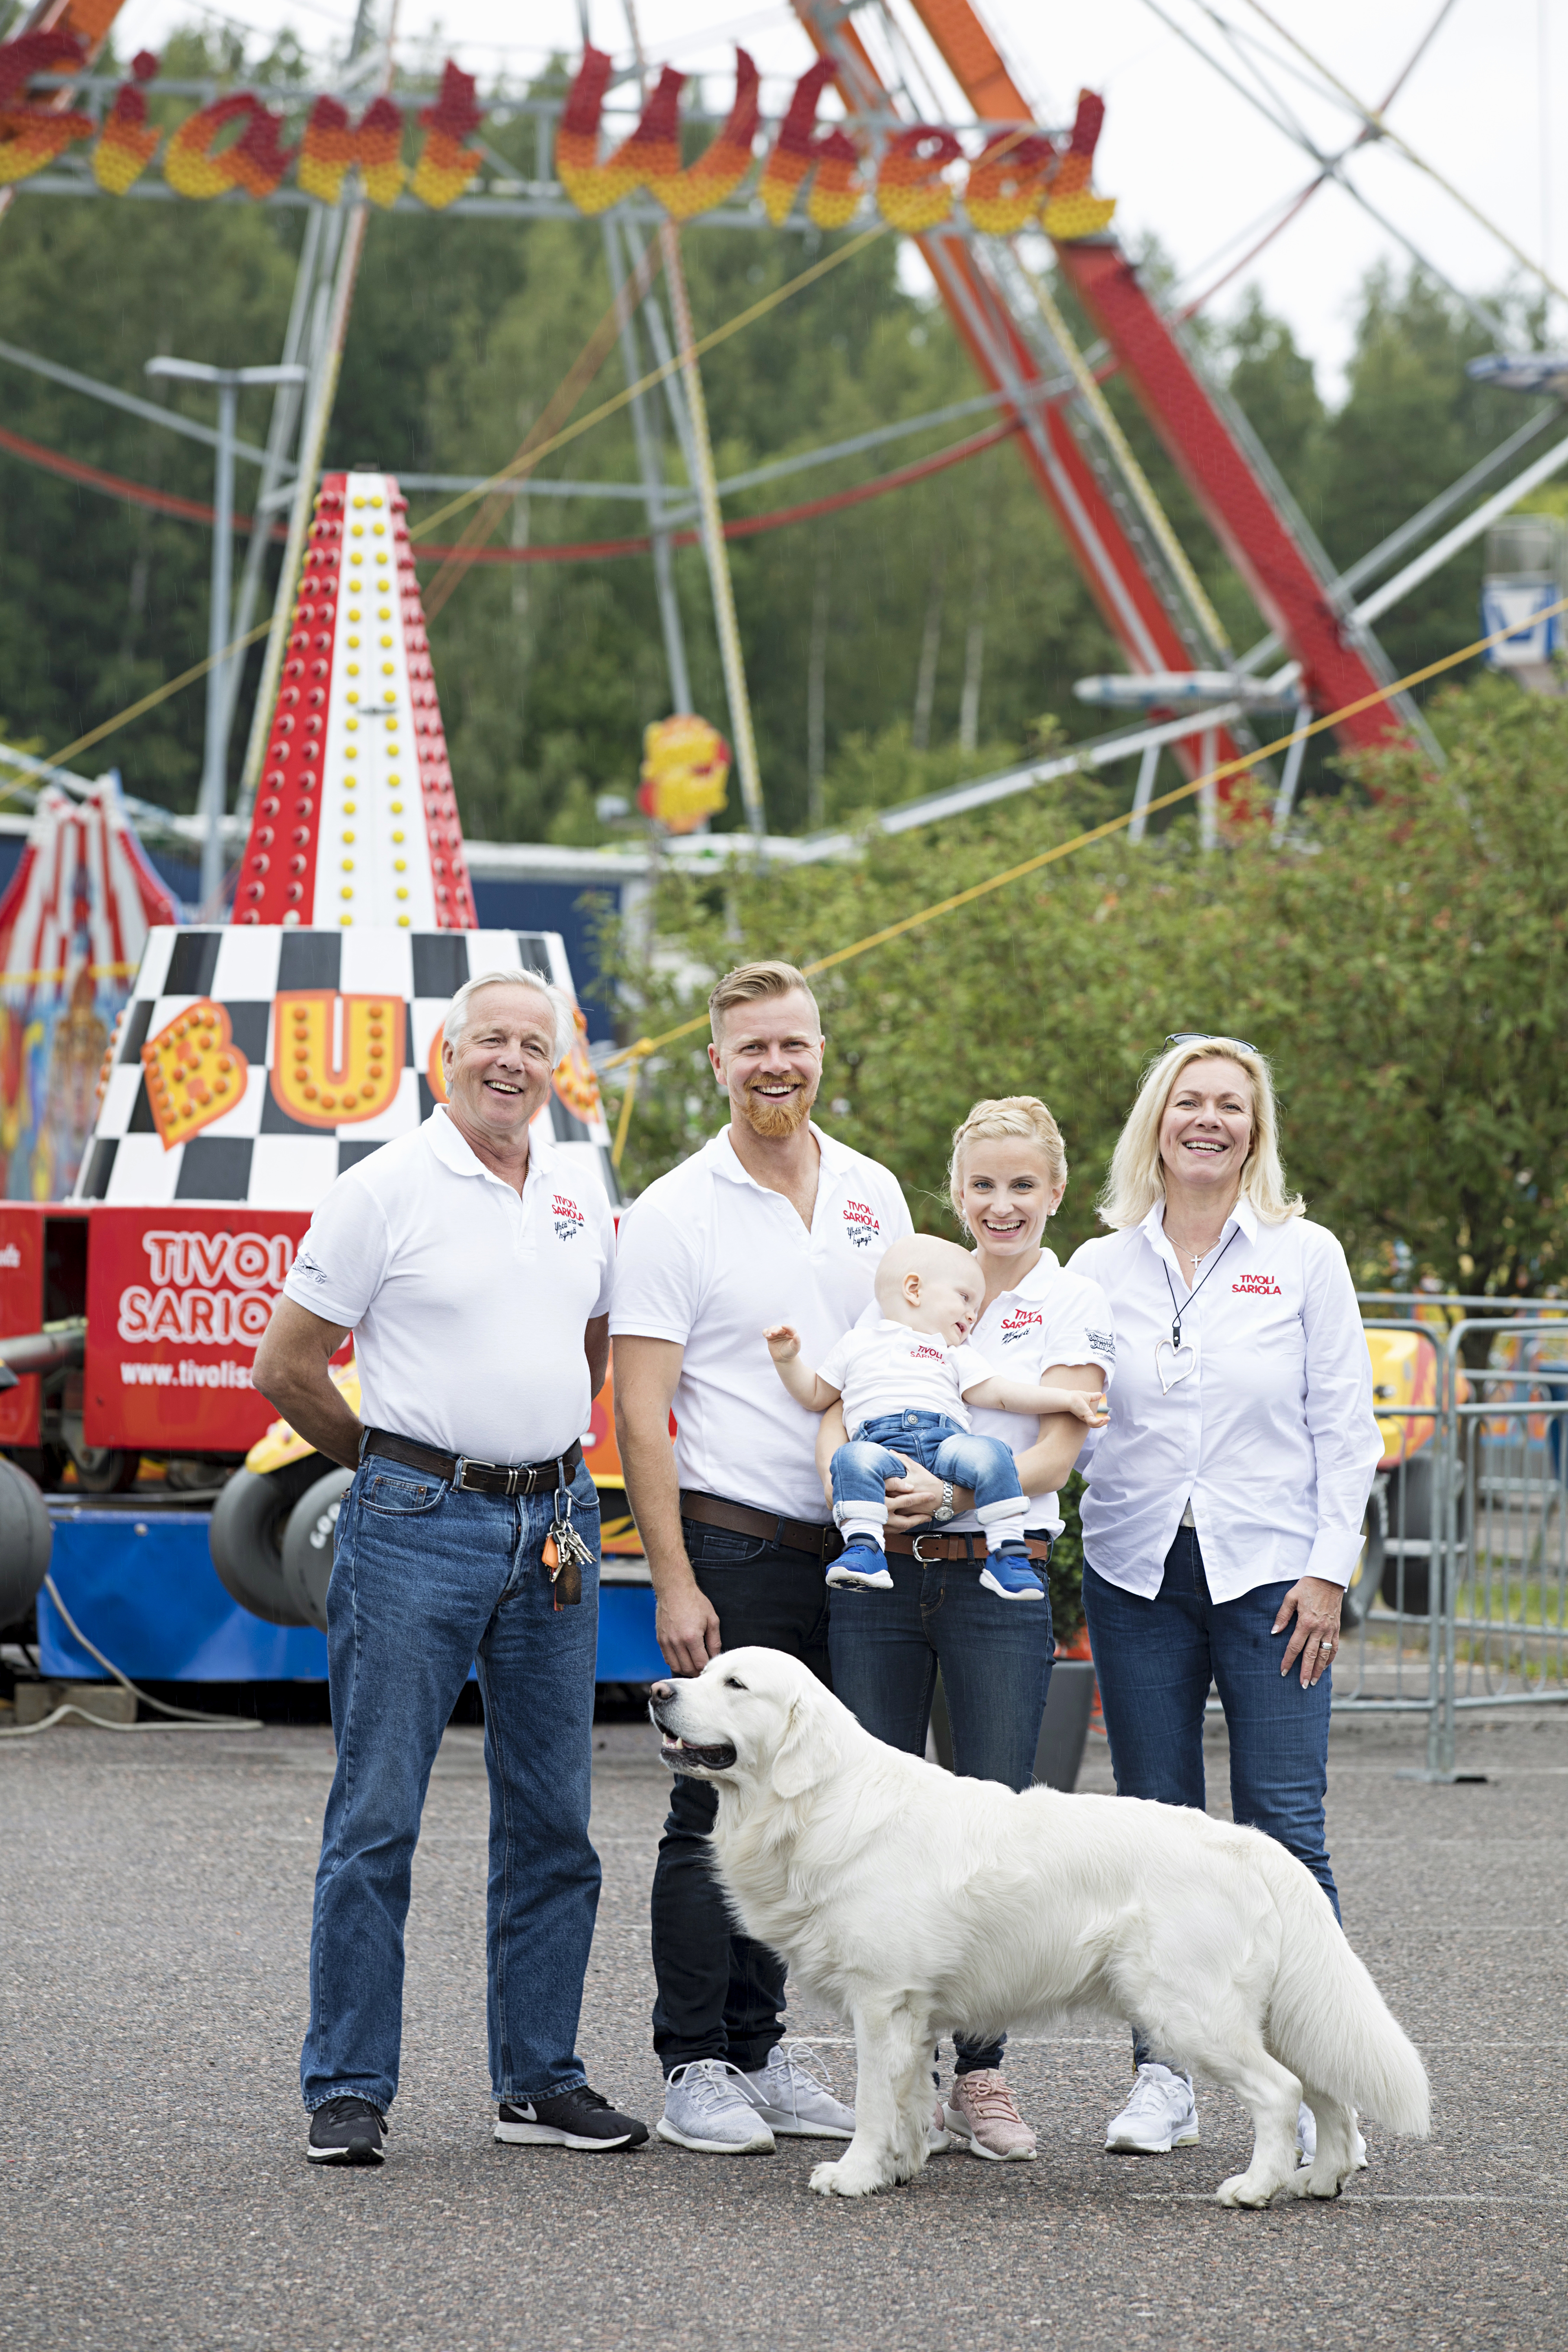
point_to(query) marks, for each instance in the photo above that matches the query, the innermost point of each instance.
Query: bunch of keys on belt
(565, 1557)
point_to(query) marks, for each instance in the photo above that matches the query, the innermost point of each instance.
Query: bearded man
(770, 1222)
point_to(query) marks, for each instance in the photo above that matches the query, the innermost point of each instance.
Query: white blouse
(1054, 1317)
(1266, 1426)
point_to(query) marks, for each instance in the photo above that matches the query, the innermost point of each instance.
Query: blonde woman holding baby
(1034, 1325)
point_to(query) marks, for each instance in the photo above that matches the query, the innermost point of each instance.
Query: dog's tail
(1327, 2021)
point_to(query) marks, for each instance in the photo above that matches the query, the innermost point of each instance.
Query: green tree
(1404, 961)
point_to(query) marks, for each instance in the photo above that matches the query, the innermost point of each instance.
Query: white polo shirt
(467, 1300)
(1269, 1433)
(887, 1367)
(1056, 1316)
(710, 1258)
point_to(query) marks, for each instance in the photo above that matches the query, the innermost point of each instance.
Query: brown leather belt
(473, 1478)
(926, 1547)
(822, 1543)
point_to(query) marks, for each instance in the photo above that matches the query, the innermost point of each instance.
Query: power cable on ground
(185, 1718)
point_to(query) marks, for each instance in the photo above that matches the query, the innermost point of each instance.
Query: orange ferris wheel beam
(1107, 558)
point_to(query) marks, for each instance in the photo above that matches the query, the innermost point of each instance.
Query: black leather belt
(473, 1478)
(822, 1543)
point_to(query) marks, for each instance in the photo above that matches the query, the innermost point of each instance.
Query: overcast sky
(1189, 158)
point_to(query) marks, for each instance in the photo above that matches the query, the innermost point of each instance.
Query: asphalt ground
(153, 1920)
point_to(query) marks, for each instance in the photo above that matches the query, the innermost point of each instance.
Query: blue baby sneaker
(865, 1564)
(1010, 1573)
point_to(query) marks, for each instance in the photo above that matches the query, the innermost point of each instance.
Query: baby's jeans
(862, 1469)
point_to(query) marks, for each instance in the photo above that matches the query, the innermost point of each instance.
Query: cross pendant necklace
(1176, 1370)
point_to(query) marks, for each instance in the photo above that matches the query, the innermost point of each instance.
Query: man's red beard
(773, 1117)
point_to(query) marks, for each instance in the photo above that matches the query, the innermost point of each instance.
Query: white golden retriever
(918, 1904)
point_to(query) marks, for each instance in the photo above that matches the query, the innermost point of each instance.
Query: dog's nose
(659, 1692)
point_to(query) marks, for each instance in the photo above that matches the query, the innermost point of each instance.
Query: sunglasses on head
(1207, 1037)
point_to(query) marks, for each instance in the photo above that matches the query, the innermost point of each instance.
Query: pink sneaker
(980, 2110)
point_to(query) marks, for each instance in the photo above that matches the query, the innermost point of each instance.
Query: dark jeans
(995, 1659)
(720, 1994)
(1154, 1661)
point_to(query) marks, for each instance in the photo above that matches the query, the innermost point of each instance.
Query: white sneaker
(938, 2139)
(706, 2106)
(1160, 2115)
(794, 2096)
(1307, 2139)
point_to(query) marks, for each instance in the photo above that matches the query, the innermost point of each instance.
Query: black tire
(308, 1544)
(245, 1536)
(26, 1539)
(105, 1470)
(1367, 1574)
(1413, 1514)
(44, 1465)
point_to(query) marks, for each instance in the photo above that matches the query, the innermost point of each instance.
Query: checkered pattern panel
(258, 1152)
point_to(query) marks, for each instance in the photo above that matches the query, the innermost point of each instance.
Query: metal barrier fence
(1460, 1595)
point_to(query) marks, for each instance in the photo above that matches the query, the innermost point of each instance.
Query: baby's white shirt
(885, 1367)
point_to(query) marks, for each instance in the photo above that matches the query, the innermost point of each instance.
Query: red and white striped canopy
(73, 923)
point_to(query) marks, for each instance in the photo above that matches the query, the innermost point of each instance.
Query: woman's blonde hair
(1137, 1172)
(1024, 1116)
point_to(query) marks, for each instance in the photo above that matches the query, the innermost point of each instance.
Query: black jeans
(720, 1994)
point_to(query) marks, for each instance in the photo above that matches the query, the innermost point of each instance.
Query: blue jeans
(720, 1994)
(1154, 1661)
(862, 1469)
(995, 1661)
(427, 1578)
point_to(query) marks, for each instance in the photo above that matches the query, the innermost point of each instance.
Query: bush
(1066, 1572)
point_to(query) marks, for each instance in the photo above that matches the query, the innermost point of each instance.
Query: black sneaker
(579, 2118)
(347, 2131)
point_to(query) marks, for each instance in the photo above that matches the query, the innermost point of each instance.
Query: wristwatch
(945, 1510)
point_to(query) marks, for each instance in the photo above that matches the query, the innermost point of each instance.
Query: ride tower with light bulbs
(356, 823)
(258, 1059)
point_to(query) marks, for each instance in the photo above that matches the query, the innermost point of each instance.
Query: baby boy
(907, 1381)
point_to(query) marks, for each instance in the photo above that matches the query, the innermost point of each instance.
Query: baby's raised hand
(1094, 1410)
(784, 1343)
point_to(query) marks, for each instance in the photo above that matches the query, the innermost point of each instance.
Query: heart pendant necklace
(1176, 1347)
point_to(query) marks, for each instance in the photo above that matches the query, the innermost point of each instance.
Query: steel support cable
(1133, 473)
(552, 551)
(116, 486)
(326, 362)
(1334, 164)
(1298, 204)
(467, 498)
(986, 331)
(736, 693)
(669, 367)
(555, 412)
(168, 419)
(1374, 118)
(637, 1054)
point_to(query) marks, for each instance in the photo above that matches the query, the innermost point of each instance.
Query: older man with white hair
(474, 1271)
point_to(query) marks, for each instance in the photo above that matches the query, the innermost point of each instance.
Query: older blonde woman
(1036, 1323)
(1223, 1511)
